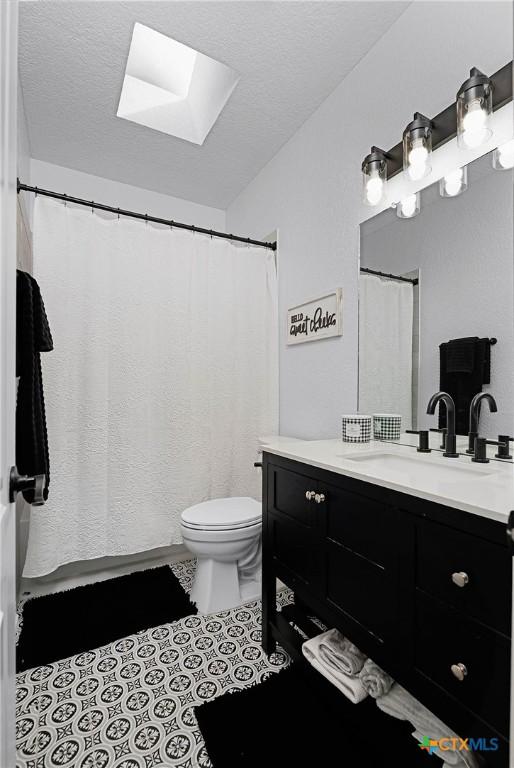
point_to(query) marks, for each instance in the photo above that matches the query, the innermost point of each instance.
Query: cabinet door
(363, 539)
(292, 527)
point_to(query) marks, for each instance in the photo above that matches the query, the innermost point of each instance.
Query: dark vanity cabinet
(423, 589)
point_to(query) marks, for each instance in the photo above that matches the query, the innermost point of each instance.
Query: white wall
(23, 155)
(463, 248)
(310, 191)
(84, 185)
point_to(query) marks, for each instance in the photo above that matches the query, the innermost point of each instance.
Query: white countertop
(481, 489)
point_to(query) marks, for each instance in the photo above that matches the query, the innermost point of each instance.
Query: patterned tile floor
(130, 704)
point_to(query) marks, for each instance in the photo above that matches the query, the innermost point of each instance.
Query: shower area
(162, 378)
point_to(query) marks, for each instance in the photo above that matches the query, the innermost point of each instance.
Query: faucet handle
(481, 444)
(444, 432)
(503, 447)
(424, 443)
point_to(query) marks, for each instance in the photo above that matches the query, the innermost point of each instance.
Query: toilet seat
(227, 514)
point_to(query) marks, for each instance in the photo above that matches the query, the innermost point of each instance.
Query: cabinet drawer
(443, 638)
(483, 567)
(287, 494)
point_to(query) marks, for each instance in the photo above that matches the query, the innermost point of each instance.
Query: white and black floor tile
(130, 704)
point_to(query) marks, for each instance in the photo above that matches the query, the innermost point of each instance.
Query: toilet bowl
(225, 537)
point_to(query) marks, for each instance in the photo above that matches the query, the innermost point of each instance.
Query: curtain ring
(211, 234)
(118, 214)
(65, 200)
(171, 225)
(36, 191)
(92, 206)
(146, 218)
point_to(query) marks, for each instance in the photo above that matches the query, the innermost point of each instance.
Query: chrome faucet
(451, 437)
(474, 416)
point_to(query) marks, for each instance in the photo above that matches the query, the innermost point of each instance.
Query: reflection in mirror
(434, 291)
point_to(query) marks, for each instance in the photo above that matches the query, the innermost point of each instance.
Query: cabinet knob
(459, 671)
(319, 498)
(460, 579)
(309, 495)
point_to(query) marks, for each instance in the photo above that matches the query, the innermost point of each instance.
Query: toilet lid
(236, 512)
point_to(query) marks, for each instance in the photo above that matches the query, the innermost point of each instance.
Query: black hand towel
(465, 366)
(32, 337)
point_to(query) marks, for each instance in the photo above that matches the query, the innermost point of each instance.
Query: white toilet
(225, 537)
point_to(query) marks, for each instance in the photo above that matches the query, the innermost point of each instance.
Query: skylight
(173, 88)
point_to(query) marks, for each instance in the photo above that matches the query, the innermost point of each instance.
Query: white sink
(420, 468)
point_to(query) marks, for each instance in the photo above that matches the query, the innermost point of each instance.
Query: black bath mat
(283, 722)
(66, 623)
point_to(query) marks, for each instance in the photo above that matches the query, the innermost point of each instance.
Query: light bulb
(418, 157)
(505, 155)
(453, 182)
(374, 190)
(475, 125)
(408, 206)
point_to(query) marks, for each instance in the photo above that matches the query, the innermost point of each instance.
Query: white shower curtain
(385, 347)
(164, 374)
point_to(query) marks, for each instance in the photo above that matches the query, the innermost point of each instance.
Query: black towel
(32, 337)
(465, 366)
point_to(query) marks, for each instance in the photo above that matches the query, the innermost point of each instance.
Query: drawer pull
(309, 495)
(460, 579)
(319, 498)
(459, 671)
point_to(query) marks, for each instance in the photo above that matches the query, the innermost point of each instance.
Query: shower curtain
(163, 376)
(385, 347)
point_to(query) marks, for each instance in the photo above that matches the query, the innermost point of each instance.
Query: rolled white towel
(375, 681)
(350, 686)
(337, 652)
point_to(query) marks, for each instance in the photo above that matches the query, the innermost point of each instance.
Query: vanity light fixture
(409, 207)
(503, 156)
(474, 110)
(417, 147)
(374, 177)
(454, 183)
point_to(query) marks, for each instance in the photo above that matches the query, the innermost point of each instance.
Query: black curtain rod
(142, 216)
(413, 280)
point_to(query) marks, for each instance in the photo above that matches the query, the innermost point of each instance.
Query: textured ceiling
(290, 56)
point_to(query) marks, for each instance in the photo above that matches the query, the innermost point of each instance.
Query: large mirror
(436, 309)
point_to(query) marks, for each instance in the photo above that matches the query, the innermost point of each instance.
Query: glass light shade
(374, 177)
(454, 183)
(503, 156)
(417, 147)
(409, 207)
(474, 110)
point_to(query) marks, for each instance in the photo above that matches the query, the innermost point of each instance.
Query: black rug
(284, 722)
(66, 623)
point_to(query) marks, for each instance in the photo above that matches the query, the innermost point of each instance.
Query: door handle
(18, 483)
